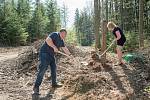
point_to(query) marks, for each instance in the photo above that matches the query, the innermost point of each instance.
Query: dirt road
(7, 56)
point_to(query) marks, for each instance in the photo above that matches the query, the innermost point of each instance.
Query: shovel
(100, 56)
(63, 53)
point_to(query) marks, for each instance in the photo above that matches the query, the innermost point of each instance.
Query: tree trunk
(97, 22)
(106, 10)
(136, 16)
(37, 16)
(102, 10)
(116, 10)
(121, 14)
(103, 42)
(110, 13)
(141, 36)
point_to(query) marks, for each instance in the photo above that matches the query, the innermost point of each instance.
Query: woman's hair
(111, 25)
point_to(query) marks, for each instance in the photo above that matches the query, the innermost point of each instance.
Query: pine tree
(23, 10)
(84, 26)
(38, 22)
(77, 26)
(53, 14)
(64, 16)
(11, 29)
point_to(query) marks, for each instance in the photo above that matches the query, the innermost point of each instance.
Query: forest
(24, 21)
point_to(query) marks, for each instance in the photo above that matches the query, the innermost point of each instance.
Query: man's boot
(57, 85)
(36, 90)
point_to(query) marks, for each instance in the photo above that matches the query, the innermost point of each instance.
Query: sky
(72, 5)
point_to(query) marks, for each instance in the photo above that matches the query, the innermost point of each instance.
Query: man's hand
(65, 49)
(55, 49)
(71, 56)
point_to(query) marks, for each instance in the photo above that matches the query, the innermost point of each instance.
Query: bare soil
(83, 77)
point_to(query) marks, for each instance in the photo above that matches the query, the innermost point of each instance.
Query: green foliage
(11, 29)
(64, 16)
(109, 39)
(131, 40)
(14, 32)
(71, 36)
(22, 19)
(23, 10)
(84, 27)
(23, 38)
(38, 22)
(53, 16)
(76, 24)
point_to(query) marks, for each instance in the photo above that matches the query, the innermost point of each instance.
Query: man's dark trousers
(45, 60)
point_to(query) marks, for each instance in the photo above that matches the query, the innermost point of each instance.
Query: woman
(119, 37)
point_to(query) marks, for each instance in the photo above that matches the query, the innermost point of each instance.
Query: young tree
(53, 15)
(23, 10)
(64, 15)
(141, 35)
(77, 26)
(84, 25)
(85, 28)
(37, 24)
(11, 29)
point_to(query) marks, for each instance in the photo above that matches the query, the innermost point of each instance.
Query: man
(119, 38)
(53, 43)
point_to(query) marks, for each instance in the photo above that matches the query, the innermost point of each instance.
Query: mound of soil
(83, 77)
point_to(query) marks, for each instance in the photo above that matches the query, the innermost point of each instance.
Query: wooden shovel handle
(63, 53)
